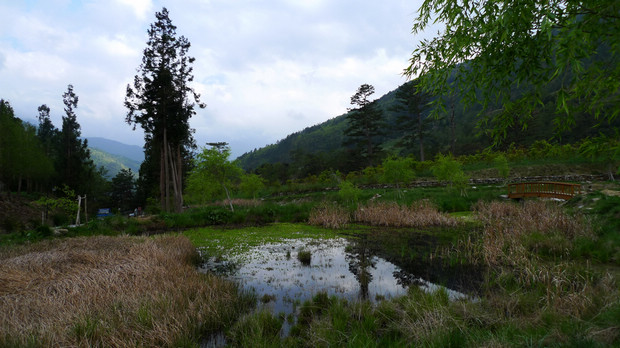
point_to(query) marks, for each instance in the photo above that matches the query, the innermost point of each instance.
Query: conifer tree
(74, 164)
(161, 101)
(365, 124)
(413, 102)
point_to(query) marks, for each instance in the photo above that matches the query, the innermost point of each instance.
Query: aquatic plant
(304, 256)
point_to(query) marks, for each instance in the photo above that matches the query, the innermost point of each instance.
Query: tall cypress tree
(161, 102)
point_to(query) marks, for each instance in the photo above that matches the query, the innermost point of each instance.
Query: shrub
(446, 168)
(349, 192)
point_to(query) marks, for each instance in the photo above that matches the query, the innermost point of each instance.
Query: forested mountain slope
(320, 147)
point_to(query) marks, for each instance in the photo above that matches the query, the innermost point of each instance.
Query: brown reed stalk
(419, 214)
(329, 216)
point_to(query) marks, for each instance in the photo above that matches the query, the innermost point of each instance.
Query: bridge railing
(560, 190)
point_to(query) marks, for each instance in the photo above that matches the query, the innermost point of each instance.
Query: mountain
(113, 163)
(133, 152)
(114, 156)
(320, 147)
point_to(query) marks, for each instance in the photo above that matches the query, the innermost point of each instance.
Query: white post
(77, 218)
(85, 209)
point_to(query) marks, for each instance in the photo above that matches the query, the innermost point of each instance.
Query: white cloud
(141, 8)
(265, 69)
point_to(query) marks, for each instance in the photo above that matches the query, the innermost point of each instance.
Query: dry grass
(329, 216)
(108, 291)
(418, 214)
(567, 287)
(506, 224)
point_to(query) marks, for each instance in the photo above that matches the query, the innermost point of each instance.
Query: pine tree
(161, 102)
(365, 124)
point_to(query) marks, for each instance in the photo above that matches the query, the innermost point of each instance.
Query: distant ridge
(133, 152)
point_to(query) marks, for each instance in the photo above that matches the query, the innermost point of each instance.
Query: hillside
(320, 147)
(133, 152)
(112, 163)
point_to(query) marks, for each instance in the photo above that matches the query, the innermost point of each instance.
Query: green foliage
(365, 124)
(507, 54)
(501, 164)
(260, 329)
(446, 168)
(251, 184)
(604, 148)
(74, 165)
(349, 192)
(398, 171)
(212, 176)
(413, 123)
(304, 256)
(64, 202)
(122, 190)
(22, 156)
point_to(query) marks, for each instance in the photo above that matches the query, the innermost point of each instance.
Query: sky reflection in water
(347, 272)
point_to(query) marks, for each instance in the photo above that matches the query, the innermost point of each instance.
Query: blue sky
(264, 68)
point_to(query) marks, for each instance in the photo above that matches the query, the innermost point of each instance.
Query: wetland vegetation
(342, 238)
(501, 273)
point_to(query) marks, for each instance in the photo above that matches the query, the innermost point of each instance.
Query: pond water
(348, 269)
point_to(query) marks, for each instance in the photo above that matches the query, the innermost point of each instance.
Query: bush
(349, 192)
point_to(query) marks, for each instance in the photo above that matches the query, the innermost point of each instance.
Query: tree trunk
(228, 196)
(180, 176)
(162, 179)
(167, 172)
(178, 196)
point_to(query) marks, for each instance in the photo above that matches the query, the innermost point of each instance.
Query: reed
(110, 291)
(419, 214)
(512, 231)
(329, 216)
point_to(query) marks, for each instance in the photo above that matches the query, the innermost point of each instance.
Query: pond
(354, 269)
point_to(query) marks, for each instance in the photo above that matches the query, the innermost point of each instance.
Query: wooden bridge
(560, 190)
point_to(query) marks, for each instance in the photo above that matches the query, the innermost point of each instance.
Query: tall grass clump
(329, 216)
(529, 246)
(513, 232)
(111, 292)
(418, 214)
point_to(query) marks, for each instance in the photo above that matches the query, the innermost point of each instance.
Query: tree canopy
(505, 54)
(213, 175)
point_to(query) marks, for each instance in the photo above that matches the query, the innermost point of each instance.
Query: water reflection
(351, 270)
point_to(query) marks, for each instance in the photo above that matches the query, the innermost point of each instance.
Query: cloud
(141, 8)
(264, 69)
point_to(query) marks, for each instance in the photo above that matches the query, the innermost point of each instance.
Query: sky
(265, 69)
